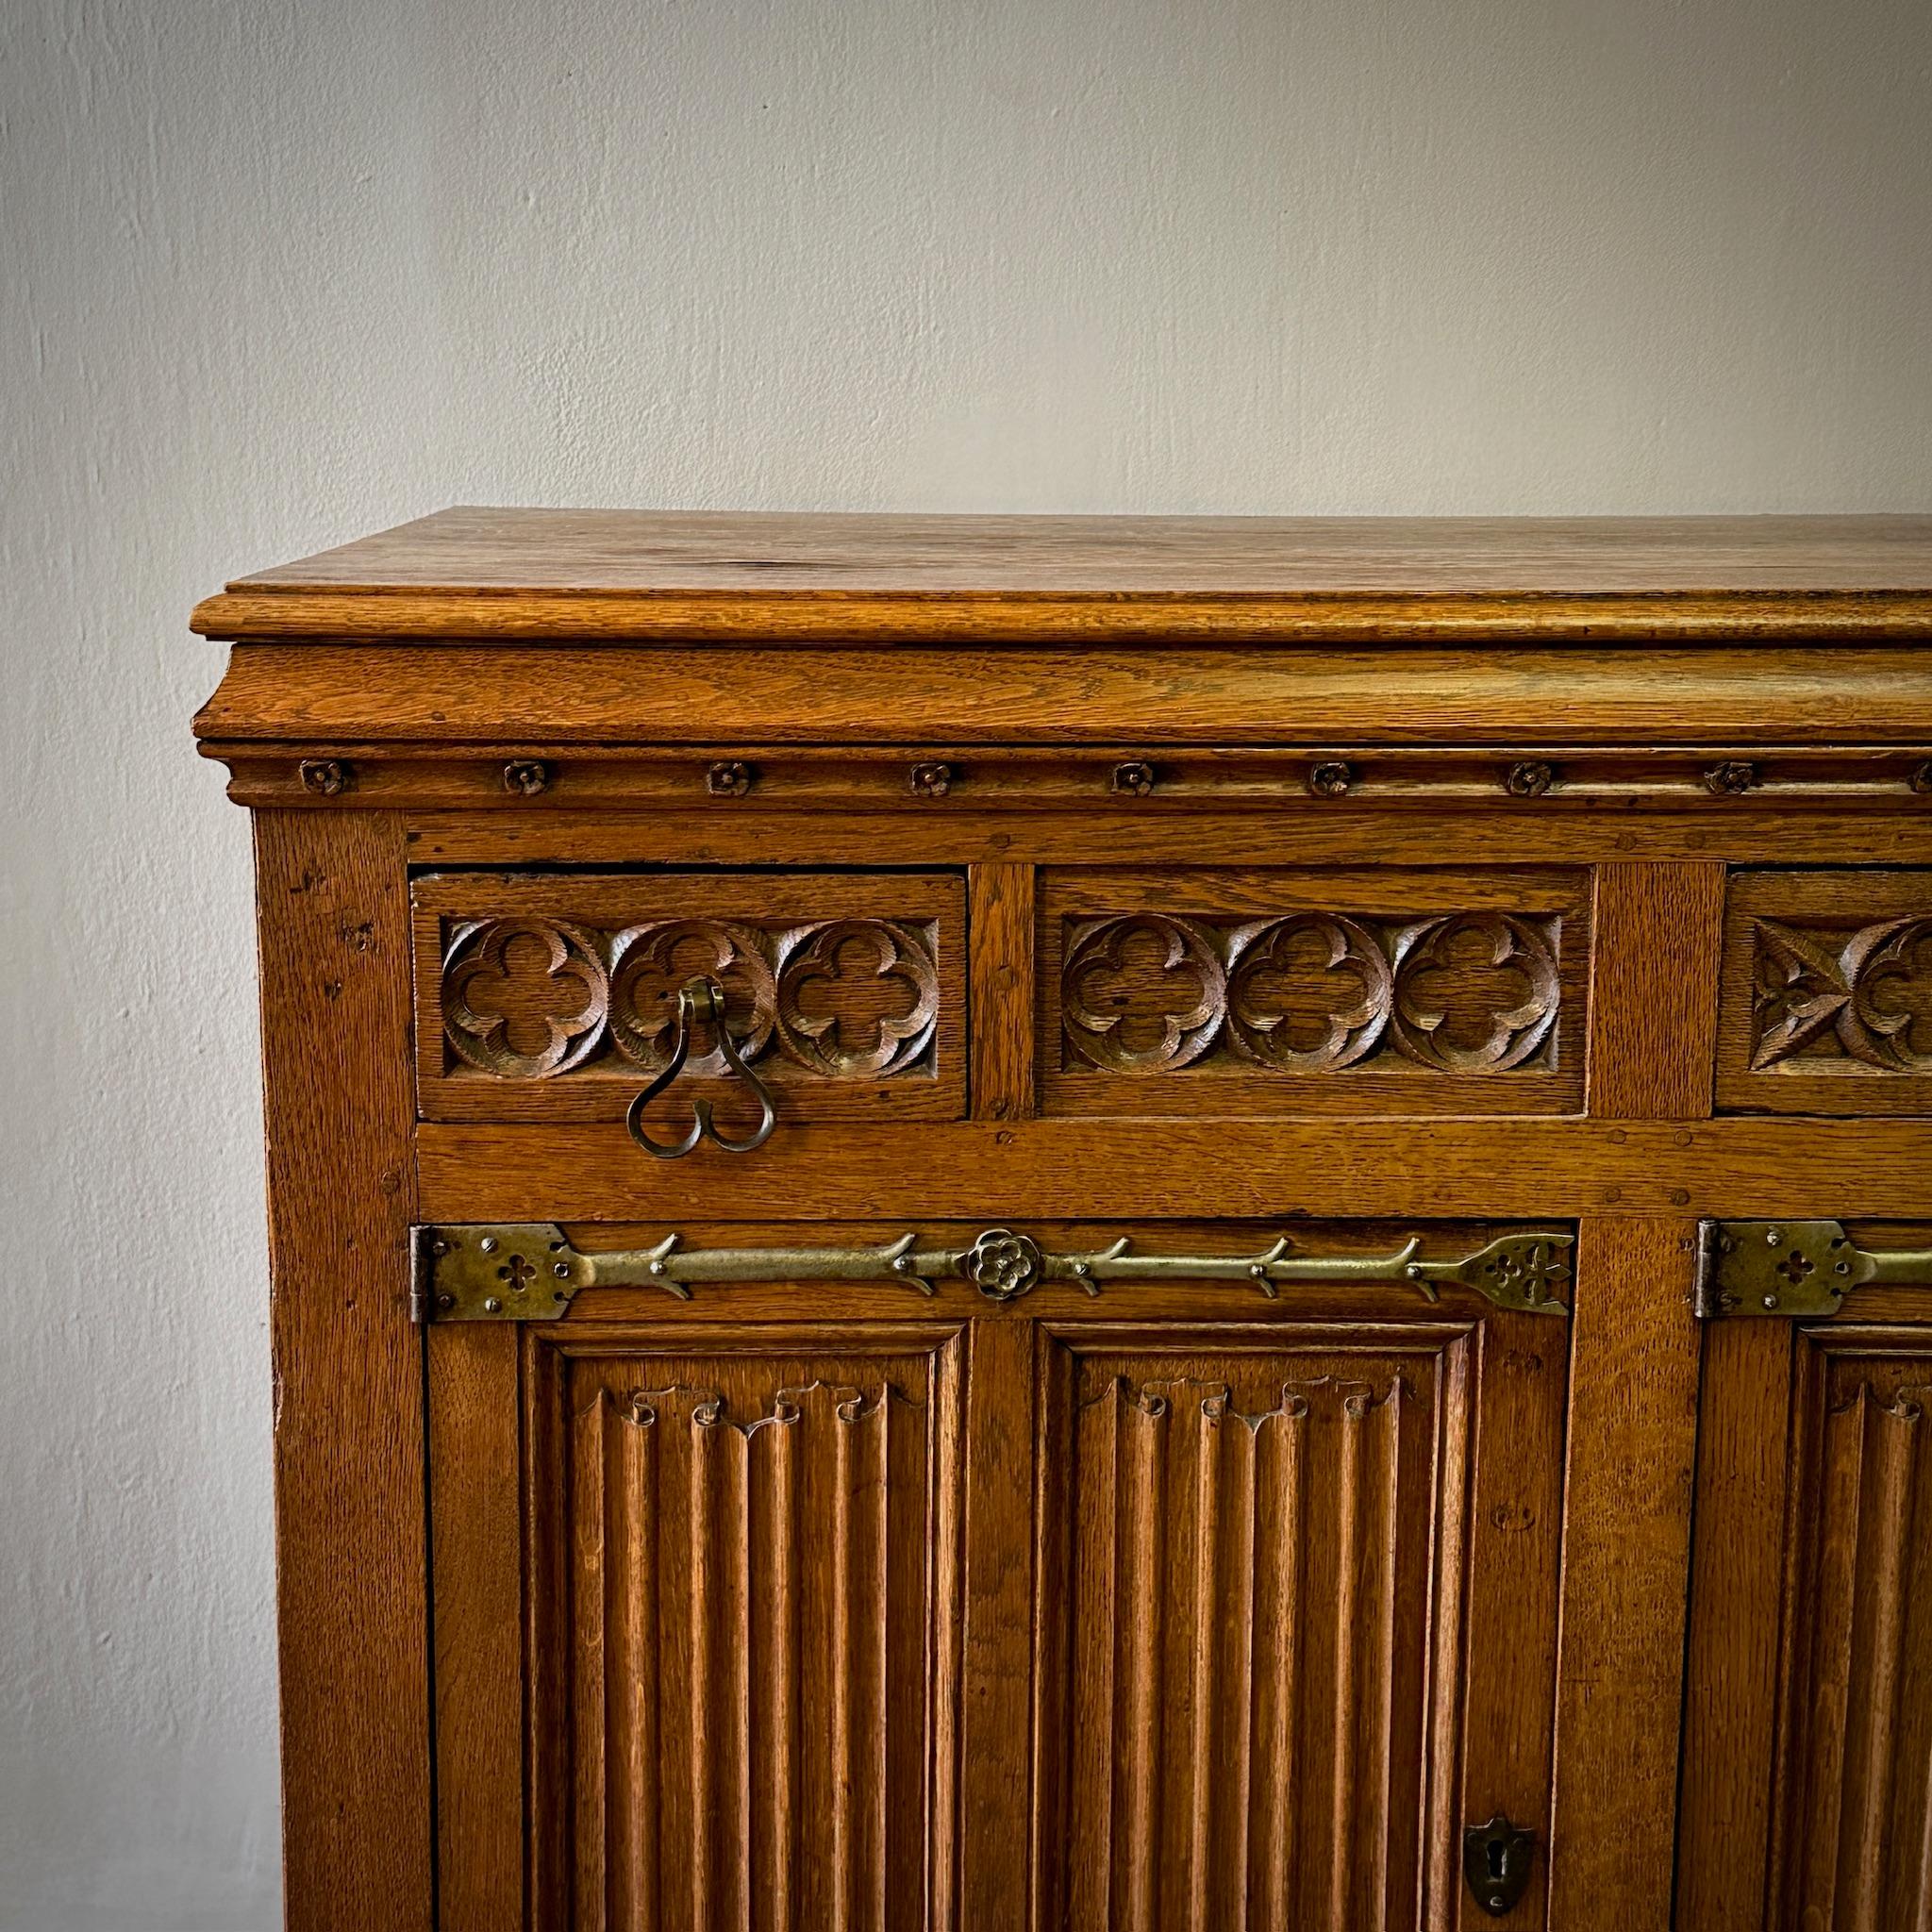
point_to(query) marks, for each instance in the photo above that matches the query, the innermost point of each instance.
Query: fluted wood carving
(1858, 1830)
(1827, 997)
(1249, 1680)
(851, 998)
(750, 1576)
(1311, 993)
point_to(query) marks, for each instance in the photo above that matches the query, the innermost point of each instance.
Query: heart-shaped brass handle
(699, 1001)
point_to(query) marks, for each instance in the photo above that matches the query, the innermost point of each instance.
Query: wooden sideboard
(993, 1223)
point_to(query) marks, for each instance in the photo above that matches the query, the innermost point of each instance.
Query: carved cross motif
(1829, 996)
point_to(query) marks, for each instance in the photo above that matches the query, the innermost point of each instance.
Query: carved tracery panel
(1470, 993)
(559, 996)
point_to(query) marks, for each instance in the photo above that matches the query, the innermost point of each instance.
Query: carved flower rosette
(523, 998)
(651, 962)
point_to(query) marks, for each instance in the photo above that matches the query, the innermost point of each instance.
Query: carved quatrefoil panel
(838, 999)
(1825, 996)
(1467, 993)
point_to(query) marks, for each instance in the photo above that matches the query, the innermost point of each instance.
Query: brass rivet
(327, 777)
(1770, 1301)
(931, 778)
(1331, 779)
(1773, 1239)
(1135, 778)
(492, 1307)
(527, 776)
(487, 1244)
(561, 1270)
(445, 1300)
(729, 778)
(1730, 777)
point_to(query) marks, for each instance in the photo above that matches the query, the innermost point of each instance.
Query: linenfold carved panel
(1854, 1845)
(542, 998)
(1251, 1702)
(1351, 986)
(751, 1611)
(1827, 992)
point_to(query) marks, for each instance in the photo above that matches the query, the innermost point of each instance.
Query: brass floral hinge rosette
(529, 1272)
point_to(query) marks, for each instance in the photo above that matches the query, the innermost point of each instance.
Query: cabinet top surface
(623, 575)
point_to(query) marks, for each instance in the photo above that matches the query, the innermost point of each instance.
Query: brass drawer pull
(699, 1001)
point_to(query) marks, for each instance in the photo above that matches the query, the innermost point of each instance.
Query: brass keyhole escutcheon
(1496, 1859)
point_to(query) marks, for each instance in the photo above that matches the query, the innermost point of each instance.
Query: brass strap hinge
(1798, 1269)
(529, 1272)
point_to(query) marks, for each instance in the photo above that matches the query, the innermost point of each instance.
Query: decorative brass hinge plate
(1799, 1269)
(528, 1272)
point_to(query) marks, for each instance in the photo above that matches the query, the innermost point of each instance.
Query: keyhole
(1497, 1856)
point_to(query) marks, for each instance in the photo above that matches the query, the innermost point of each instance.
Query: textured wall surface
(275, 274)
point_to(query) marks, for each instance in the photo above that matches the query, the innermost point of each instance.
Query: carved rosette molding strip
(527, 998)
(1124, 779)
(1828, 999)
(1312, 992)
(529, 1272)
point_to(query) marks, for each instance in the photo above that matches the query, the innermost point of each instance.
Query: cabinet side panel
(334, 928)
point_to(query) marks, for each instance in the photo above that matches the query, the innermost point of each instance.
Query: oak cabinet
(1085, 1223)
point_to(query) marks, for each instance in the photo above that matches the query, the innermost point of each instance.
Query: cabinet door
(1298, 1617)
(1807, 1771)
(1012, 1595)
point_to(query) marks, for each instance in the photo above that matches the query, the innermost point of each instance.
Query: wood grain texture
(465, 694)
(1653, 989)
(1746, 835)
(475, 1417)
(615, 573)
(1626, 1514)
(1732, 1671)
(1519, 1168)
(350, 1539)
(997, 1661)
(1000, 936)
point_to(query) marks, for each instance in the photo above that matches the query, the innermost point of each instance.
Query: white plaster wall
(273, 273)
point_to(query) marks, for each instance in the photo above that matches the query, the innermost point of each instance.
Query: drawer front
(1258, 992)
(1827, 993)
(555, 998)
